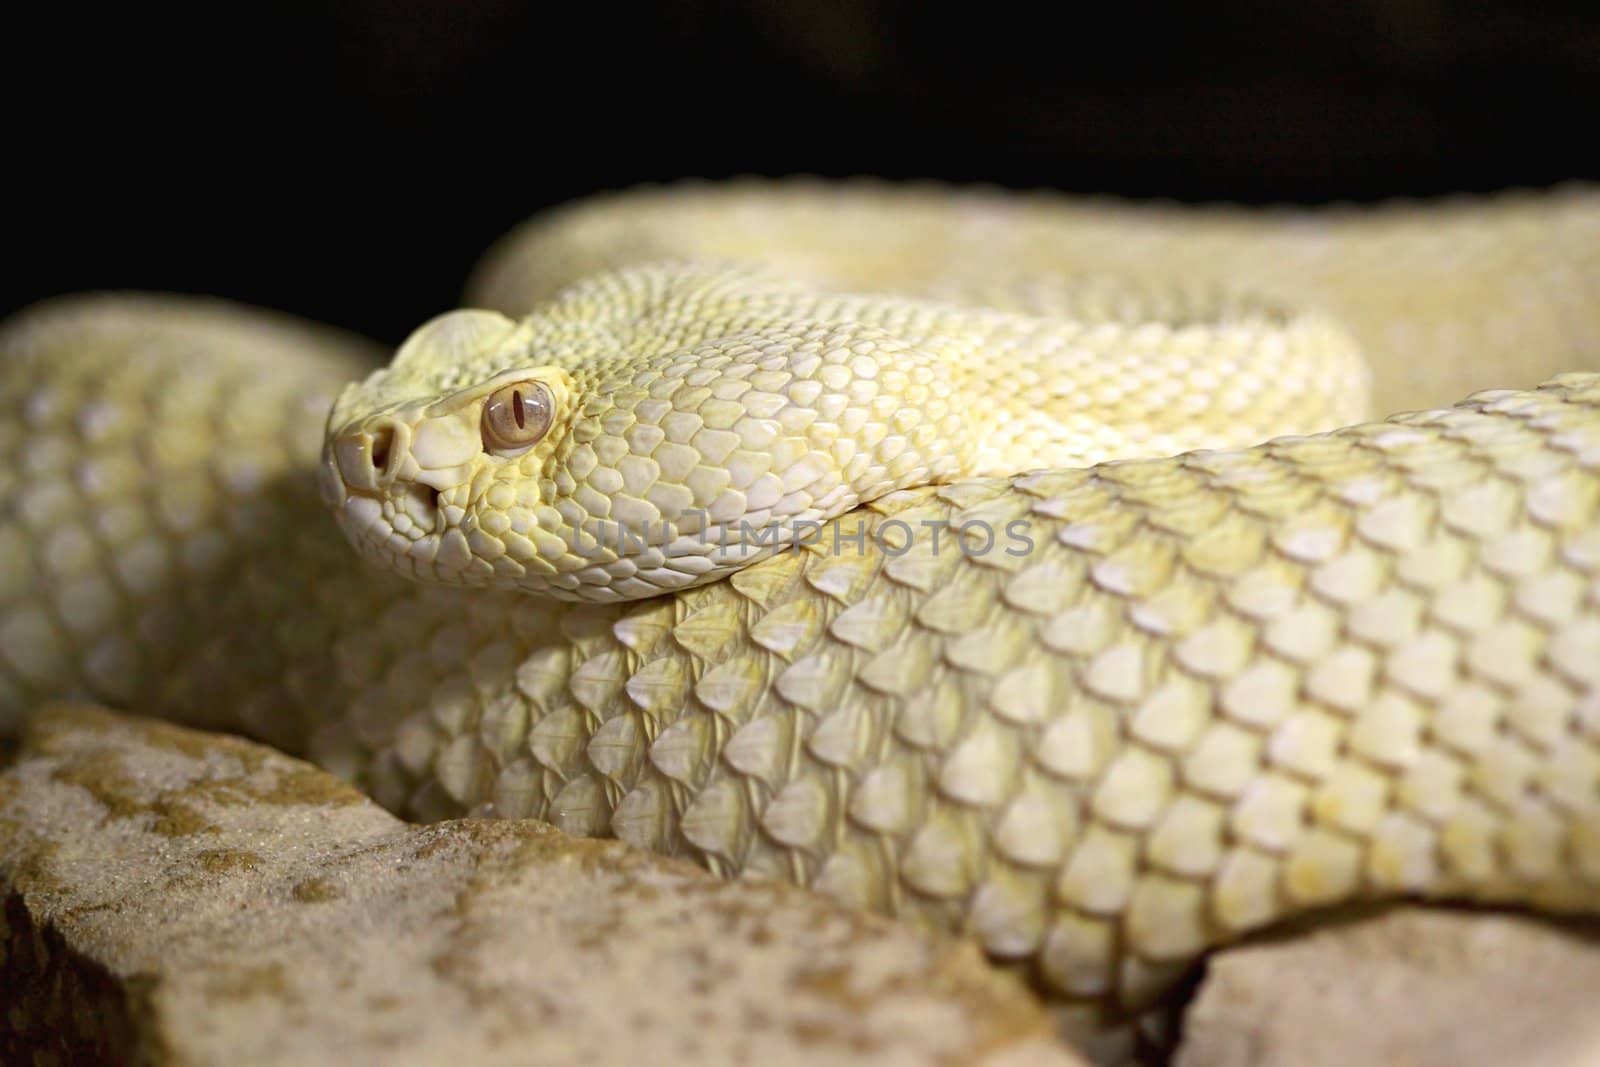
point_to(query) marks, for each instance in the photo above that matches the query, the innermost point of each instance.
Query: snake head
(426, 461)
(646, 432)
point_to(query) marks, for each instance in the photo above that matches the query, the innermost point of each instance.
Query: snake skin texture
(1195, 696)
(700, 418)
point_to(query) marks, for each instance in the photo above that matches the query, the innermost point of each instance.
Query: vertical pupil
(516, 409)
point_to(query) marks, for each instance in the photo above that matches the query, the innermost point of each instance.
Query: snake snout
(369, 452)
(371, 478)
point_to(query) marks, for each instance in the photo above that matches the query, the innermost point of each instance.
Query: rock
(1416, 986)
(179, 897)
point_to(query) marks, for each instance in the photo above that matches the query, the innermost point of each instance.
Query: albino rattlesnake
(1214, 691)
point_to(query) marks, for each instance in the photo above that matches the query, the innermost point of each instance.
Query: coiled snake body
(1174, 697)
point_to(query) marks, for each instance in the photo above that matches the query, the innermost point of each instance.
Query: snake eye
(517, 416)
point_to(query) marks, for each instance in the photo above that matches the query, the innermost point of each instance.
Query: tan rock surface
(179, 897)
(1413, 986)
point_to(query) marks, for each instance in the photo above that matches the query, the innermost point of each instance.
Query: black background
(349, 161)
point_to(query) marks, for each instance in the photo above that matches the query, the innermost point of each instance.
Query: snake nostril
(369, 453)
(382, 447)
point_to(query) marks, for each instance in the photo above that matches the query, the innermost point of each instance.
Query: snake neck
(709, 415)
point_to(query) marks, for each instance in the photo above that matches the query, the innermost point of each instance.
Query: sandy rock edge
(172, 896)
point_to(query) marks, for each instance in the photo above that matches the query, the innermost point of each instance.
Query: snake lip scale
(1263, 652)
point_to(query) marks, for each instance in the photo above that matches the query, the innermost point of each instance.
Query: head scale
(427, 461)
(635, 437)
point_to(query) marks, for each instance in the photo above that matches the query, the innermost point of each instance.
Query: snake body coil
(1174, 698)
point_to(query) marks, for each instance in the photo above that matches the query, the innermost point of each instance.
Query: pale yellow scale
(1211, 691)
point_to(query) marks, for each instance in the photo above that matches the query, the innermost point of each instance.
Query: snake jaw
(330, 487)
